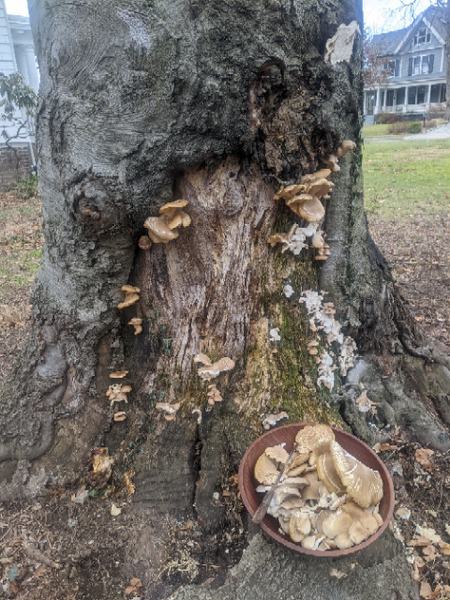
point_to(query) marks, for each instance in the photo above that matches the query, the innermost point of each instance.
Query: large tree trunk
(144, 102)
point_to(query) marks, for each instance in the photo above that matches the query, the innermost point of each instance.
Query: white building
(17, 55)
(416, 63)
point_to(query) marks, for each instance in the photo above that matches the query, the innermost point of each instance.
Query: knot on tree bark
(94, 205)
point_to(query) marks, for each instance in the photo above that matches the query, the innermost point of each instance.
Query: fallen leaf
(423, 458)
(425, 589)
(419, 562)
(338, 574)
(418, 541)
(429, 534)
(129, 590)
(136, 582)
(429, 553)
(39, 571)
(445, 548)
(387, 447)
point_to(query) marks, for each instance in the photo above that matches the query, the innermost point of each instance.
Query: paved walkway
(438, 133)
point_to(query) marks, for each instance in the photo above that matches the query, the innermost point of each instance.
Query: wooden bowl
(252, 499)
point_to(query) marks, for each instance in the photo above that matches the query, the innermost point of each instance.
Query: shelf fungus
(162, 230)
(212, 370)
(271, 420)
(294, 240)
(120, 416)
(169, 409)
(213, 395)
(118, 374)
(332, 161)
(131, 296)
(137, 324)
(333, 503)
(118, 393)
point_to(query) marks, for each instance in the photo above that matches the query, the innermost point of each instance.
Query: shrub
(435, 112)
(415, 127)
(431, 124)
(26, 188)
(399, 127)
(386, 118)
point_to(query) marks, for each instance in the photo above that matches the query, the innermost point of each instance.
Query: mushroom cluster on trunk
(304, 199)
(326, 499)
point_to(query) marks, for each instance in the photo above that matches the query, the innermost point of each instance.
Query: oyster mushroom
(169, 409)
(118, 374)
(159, 231)
(363, 484)
(345, 147)
(336, 524)
(131, 296)
(211, 371)
(120, 416)
(213, 395)
(299, 526)
(266, 471)
(175, 215)
(118, 393)
(271, 420)
(286, 193)
(328, 474)
(136, 322)
(277, 454)
(311, 435)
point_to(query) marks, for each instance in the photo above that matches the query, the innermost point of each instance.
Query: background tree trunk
(144, 102)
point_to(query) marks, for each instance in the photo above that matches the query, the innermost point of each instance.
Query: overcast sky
(378, 14)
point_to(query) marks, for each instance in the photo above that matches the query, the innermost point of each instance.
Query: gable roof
(392, 42)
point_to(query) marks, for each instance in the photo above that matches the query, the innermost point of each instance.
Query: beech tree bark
(218, 102)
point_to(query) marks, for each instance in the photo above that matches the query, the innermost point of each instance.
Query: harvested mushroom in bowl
(334, 495)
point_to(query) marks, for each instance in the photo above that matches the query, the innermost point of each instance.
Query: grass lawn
(407, 178)
(375, 131)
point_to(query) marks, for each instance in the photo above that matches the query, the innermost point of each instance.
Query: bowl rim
(296, 546)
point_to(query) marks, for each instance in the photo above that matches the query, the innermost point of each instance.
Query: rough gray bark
(144, 102)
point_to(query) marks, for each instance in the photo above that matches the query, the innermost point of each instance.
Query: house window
(382, 99)
(421, 94)
(392, 68)
(400, 96)
(390, 98)
(437, 93)
(421, 65)
(423, 36)
(412, 95)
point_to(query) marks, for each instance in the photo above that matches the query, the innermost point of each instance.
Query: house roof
(391, 43)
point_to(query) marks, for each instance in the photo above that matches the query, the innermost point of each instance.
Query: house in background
(17, 55)
(415, 65)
